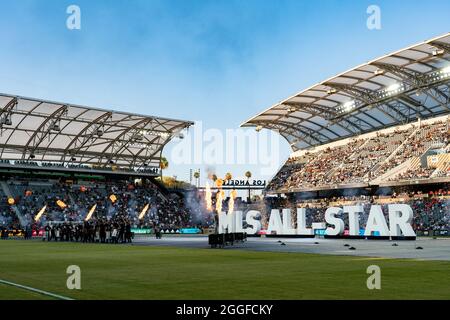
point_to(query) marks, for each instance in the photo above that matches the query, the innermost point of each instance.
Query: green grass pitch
(149, 272)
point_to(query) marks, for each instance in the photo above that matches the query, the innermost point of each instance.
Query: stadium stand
(117, 203)
(380, 123)
(7, 215)
(392, 156)
(65, 159)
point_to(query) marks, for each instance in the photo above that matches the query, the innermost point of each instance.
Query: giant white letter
(376, 222)
(254, 225)
(400, 218)
(275, 222)
(226, 222)
(238, 221)
(330, 218)
(301, 223)
(287, 222)
(353, 218)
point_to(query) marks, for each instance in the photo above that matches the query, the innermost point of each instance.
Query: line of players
(100, 231)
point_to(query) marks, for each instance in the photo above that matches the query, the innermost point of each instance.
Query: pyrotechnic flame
(91, 212)
(61, 204)
(219, 183)
(219, 199)
(233, 194)
(144, 211)
(208, 196)
(40, 213)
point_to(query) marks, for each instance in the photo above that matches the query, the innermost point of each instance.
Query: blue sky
(218, 61)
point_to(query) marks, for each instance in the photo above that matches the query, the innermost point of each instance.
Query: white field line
(46, 293)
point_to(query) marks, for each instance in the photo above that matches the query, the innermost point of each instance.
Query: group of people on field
(95, 231)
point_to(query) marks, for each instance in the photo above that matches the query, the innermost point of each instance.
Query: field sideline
(152, 272)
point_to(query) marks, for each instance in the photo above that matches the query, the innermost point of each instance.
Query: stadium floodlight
(259, 128)
(446, 70)
(349, 105)
(394, 87)
(378, 72)
(155, 133)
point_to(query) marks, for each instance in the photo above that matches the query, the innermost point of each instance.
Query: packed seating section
(67, 202)
(365, 159)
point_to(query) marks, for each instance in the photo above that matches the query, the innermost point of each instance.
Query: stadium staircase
(397, 170)
(411, 164)
(394, 153)
(8, 193)
(405, 166)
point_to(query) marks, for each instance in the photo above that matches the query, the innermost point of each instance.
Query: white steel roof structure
(392, 90)
(71, 134)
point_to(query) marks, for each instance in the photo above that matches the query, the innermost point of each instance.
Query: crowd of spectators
(117, 203)
(419, 173)
(8, 216)
(358, 167)
(364, 159)
(428, 135)
(311, 169)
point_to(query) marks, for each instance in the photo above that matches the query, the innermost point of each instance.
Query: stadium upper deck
(71, 137)
(396, 89)
(417, 153)
(382, 123)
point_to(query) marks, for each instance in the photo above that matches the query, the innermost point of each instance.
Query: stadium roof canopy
(39, 130)
(395, 89)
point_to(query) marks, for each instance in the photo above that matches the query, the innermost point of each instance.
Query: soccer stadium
(87, 212)
(377, 134)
